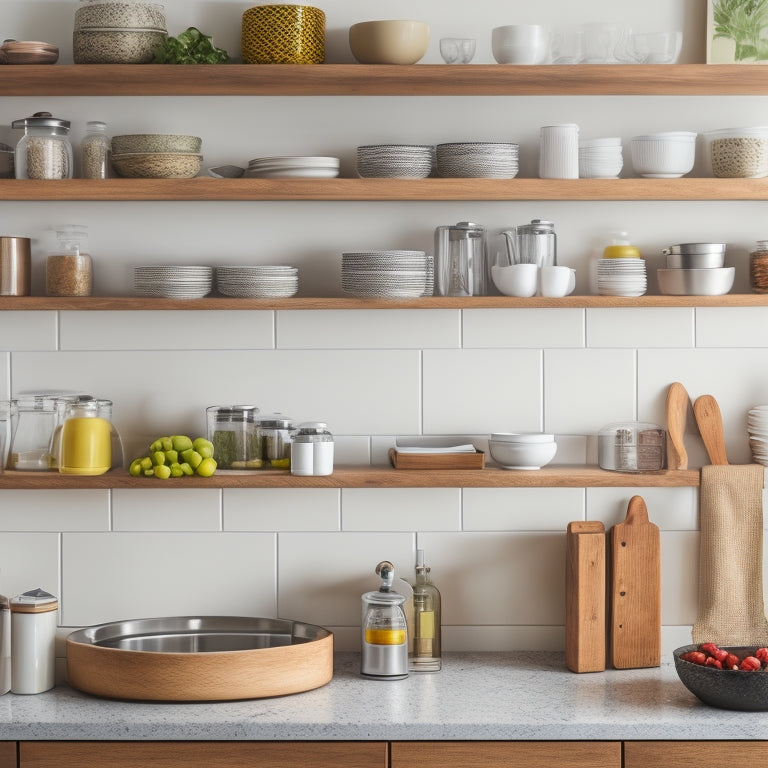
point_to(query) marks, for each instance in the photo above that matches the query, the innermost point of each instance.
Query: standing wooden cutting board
(635, 590)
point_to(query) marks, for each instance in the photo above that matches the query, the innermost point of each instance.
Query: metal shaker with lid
(44, 151)
(34, 617)
(461, 260)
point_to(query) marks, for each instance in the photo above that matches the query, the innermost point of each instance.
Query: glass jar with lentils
(758, 267)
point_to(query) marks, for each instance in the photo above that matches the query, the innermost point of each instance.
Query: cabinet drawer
(516, 754)
(220, 754)
(696, 754)
(7, 754)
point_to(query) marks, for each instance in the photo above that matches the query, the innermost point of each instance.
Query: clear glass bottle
(96, 152)
(758, 267)
(44, 151)
(425, 654)
(68, 268)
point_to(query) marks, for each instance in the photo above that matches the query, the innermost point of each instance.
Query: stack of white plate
(395, 161)
(600, 158)
(172, 282)
(621, 277)
(293, 167)
(477, 160)
(757, 426)
(257, 281)
(387, 274)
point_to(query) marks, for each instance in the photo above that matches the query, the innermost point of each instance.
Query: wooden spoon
(710, 423)
(677, 411)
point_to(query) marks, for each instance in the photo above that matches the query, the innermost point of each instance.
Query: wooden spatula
(635, 590)
(710, 423)
(677, 411)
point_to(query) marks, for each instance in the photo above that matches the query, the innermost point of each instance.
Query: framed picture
(737, 31)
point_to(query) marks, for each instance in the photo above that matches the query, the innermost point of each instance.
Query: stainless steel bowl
(696, 282)
(691, 248)
(712, 260)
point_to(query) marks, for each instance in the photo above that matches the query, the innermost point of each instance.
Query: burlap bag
(731, 608)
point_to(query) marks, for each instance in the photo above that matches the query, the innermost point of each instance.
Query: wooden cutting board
(635, 590)
(585, 575)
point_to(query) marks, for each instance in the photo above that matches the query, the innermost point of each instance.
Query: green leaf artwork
(745, 22)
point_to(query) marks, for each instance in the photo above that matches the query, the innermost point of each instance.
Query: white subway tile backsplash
(281, 509)
(401, 509)
(523, 328)
(166, 509)
(732, 326)
(369, 329)
(640, 327)
(672, 509)
(117, 576)
(588, 388)
(28, 330)
(323, 575)
(522, 509)
(351, 449)
(478, 391)
(28, 561)
(44, 510)
(166, 330)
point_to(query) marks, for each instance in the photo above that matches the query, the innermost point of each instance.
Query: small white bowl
(522, 437)
(520, 44)
(666, 155)
(522, 455)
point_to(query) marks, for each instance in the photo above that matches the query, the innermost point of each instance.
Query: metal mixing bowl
(696, 282)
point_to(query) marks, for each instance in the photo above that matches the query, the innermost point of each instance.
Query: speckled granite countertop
(477, 696)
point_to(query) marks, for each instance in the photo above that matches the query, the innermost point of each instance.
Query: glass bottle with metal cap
(44, 151)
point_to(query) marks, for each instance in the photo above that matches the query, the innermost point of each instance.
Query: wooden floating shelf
(563, 476)
(216, 303)
(381, 80)
(207, 188)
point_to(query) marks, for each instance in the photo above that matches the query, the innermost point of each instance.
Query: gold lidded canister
(15, 266)
(283, 34)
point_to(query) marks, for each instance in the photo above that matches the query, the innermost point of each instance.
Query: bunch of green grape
(176, 456)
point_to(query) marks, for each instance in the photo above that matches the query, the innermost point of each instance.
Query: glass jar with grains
(96, 152)
(68, 268)
(758, 267)
(44, 151)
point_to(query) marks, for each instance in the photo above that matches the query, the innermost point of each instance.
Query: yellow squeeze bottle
(620, 248)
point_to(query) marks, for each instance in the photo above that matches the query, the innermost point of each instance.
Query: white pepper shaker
(34, 617)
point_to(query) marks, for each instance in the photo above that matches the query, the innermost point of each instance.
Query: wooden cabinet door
(506, 754)
(220, 754)
(8, 757)
(695, 754)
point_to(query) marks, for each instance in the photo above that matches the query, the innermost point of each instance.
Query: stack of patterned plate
(257, 281)
(297, 167)
(393, 161)
(757, 426)
(477, 160)
(173, 282)
(387, 274)
(621, 277)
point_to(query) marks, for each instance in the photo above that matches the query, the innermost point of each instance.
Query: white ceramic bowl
(522, 437)
(714, 281)
(520, 44)
(389, 41)
(663, 155)
(526, 455)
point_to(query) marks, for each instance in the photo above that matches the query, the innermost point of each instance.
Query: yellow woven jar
(283, 34)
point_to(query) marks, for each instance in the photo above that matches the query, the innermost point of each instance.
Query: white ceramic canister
(34, 617)
(312, 449)
(559, 151)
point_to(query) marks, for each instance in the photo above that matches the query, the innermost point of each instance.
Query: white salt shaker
(312, 449)
(559, 151)
(34, 617)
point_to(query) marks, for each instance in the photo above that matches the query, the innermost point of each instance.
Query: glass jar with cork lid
(68, 268)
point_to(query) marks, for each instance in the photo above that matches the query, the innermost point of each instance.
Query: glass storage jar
(31, 441)
(44, 151)
(633, 446)
(96, 152)
(232, 430)
(68, 268)
(758, 267)
(274, 432)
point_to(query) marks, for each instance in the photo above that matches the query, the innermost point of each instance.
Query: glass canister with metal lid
(31, 442)
(44, 151)
(461, 257)
(232, 430)
(274, 431)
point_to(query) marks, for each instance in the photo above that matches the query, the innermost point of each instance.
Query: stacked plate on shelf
(387, 274)
(293, 167)
(757, 426)
(485, 160)
(172, 282)
(257, 281)
(395, 161)
(621, 277)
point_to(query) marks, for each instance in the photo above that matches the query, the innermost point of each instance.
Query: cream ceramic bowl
(389, 41)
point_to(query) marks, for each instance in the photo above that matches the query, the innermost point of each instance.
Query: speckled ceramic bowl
(94, 14)
(157, 165)
(155, 142)
(724, 688)
(116, 46)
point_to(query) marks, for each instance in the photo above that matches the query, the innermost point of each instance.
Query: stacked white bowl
(696, 269)
(395, 161)
(664, 155)
(757, 427)
(488, 160)
(522, 450)
(600, 158)
(387, 274)
(257, 281)
(293, 167)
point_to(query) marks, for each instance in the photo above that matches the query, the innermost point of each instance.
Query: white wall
(497, 554)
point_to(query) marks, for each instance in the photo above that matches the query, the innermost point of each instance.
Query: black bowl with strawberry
(728, 677)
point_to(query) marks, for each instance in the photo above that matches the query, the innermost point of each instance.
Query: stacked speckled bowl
(125, 32)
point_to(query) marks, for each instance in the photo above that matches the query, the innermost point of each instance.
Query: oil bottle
(425, 655)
